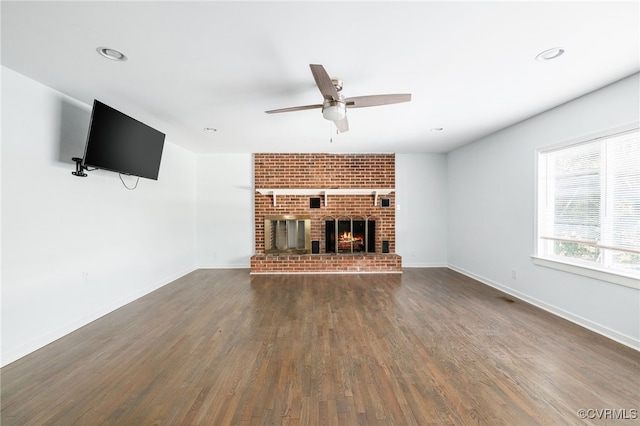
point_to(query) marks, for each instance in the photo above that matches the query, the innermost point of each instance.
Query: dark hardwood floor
(429, 346)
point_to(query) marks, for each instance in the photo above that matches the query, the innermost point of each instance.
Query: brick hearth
(325, 263)
(346, 179)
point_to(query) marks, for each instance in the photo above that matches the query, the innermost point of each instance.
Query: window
(589, 204)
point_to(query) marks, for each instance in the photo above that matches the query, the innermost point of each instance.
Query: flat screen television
(122, 144)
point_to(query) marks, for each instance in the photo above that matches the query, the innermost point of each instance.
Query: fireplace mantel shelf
(326, 192)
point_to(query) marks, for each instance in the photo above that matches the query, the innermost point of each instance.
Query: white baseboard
(209, 266)
(34, 345)
(423, 265)
(576, 319)
(42, 341)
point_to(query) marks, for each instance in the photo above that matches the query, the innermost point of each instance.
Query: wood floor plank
(429, 346)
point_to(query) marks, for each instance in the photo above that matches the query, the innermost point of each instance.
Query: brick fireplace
(324, 213)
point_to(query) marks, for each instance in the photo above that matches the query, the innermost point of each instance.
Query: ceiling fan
(334, 107)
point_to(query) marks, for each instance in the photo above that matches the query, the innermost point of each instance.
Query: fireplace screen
(350, 236)
(287, 234)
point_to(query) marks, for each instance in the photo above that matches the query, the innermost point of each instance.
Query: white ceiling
(469, 65)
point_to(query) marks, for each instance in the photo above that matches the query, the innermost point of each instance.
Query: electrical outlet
(514, 274)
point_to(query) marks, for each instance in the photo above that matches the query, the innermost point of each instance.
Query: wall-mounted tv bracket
(79, 168)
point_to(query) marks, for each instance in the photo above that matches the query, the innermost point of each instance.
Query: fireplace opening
(287, 234)
(350, 236)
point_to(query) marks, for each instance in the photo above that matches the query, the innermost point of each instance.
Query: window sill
(620, 278)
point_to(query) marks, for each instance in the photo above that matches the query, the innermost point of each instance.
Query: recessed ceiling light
(112, 54)
(437, 129)
(549, 54)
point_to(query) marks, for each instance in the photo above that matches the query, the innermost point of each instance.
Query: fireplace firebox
(287, 234)
(350, 236)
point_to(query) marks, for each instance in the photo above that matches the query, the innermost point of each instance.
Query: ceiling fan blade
(342, 125)
(324, 83)
(297, 108)
(375, 100)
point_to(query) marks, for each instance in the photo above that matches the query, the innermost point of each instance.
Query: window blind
(589, 202)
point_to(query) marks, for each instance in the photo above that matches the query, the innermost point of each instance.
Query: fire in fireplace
(348, 235)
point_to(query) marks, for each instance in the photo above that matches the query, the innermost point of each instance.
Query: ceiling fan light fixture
(334, 110)
(334, 105)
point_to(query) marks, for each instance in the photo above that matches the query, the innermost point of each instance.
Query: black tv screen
(119, 143)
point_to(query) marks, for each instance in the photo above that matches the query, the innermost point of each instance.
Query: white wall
(421, 219)
(491, 213)
(73, 249)
(225, 207)
(225, 210)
